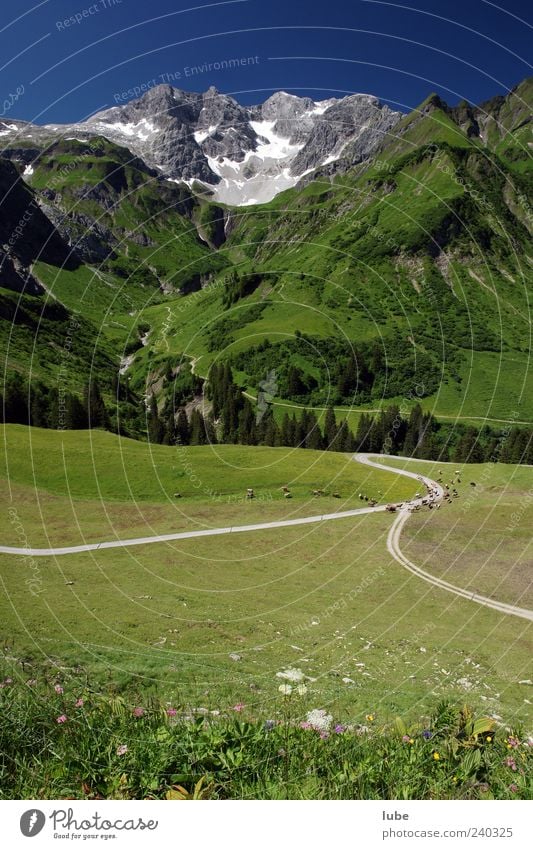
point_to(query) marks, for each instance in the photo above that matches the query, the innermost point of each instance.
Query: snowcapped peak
(243, 154)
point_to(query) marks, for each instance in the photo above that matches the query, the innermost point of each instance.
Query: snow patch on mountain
(241, 154)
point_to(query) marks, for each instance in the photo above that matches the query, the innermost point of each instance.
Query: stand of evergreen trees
(44, 406)
(236, 419)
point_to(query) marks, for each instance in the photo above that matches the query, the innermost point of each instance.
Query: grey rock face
(245, 154)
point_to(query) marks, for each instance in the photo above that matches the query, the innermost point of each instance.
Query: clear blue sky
(322, 48)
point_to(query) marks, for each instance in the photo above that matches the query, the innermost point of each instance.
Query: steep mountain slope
(88, 232)
(403, 275)
(414, 267)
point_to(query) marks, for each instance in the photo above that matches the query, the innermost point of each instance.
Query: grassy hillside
(222, 617)
(80, 486)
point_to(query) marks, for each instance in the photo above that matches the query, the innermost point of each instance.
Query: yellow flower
(369, 717)
(411, 740)
(436, 756)
(454, 779)
(489, 739)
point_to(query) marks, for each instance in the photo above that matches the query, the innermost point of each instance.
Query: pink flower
(513, 788)
(405, 738)
(79, 703)
(61, 719)
(511, 763)
(121, 750)
(305, 725)
(513, 742)
(238, 707)
(171, 711)
(59, 689)
(138, 711)
(339, 729)
(324, 735)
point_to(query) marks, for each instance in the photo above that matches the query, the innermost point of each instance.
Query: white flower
(291, 674)
(319, 719)
(301, 689)
(286, 689)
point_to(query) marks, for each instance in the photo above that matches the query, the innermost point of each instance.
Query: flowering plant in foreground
(319, 720)
(106, 751)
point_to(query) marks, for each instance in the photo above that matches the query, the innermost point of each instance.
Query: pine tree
(182, 428)
(247, 425)
(197, 428)
(97, 415)
(16, 401)
(39, 405)
(272, 434)
(314, 435)
(169, 429)
(285, 436)
(362, 439)
(330, 429)
(75, 413)
(156, 428)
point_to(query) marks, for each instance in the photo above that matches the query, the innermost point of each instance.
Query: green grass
(99, 465)
(105, 747)
(325, 598)
(484, 543)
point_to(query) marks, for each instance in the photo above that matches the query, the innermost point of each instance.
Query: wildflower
(121, 750)
(488, 739)
(238, 707)
(511, 763)
(59, 689)
(269, 724)
(61, 719)
(454, 779)
(138, 711)
(513, 787)
(405, 738)
(324, 735)
(369, 717)
(319, 719)
(285, 689)
(305, 725)
(513, 742)
(291, 674)
(426, 734)
(340, 729)
(171, 711)
(79, 703)
(436, 756)
(301, 689)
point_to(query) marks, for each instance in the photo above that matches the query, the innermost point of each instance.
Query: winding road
(393, 539)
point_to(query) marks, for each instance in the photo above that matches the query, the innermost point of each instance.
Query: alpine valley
(349, 255)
